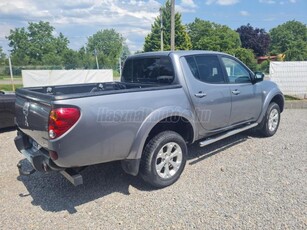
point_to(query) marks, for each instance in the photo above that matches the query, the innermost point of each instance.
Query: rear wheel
(270, 122)
(163, 159)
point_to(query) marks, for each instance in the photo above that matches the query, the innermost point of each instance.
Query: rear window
(148, 70)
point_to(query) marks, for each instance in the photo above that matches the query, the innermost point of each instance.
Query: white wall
(33, 78)
(291, 77)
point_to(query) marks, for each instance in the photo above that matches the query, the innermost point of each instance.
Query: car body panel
(7, 110)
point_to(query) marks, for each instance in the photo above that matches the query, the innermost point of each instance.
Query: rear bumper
(38, 157)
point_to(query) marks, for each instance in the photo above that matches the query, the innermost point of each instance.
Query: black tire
(264, 128)
(151, 161)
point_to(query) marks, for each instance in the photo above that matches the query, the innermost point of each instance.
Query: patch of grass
(9, 87)
(8, 77)
(291, 98)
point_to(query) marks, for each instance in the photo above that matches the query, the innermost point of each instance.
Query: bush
(264, 67)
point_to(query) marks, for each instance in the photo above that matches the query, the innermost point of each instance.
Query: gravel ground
(243, 182)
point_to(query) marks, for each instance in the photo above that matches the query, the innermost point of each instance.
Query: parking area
(243, 182)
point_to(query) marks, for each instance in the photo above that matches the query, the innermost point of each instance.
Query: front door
(246, 97)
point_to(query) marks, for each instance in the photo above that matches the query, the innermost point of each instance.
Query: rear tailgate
(32, 115)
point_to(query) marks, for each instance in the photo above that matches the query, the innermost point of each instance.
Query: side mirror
(258, 76)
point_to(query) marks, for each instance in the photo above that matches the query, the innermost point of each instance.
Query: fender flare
(268, 98)
(152, 120)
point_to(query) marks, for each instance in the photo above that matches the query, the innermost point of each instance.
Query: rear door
(246, 97)
(208, 89)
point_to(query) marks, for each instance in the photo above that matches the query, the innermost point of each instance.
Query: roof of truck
(177, 52)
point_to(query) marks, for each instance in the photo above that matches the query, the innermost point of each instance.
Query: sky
(79, 19)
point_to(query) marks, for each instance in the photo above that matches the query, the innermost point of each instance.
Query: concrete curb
(299, 104)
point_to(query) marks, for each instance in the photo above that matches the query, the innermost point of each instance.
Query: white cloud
(186, 6)
(132, 18)
(182, 9)
(292, 1)
(188, 3)
(267, 1)
(222, 2)
(244, 13)
(5, 29)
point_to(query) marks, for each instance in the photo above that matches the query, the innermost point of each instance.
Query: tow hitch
(24, 173)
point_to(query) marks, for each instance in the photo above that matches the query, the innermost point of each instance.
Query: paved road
(243, 182)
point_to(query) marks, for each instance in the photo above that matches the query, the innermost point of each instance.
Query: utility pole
(172, 24)
(95, 52)
(11, 72)
(120, 66)
(161, 28)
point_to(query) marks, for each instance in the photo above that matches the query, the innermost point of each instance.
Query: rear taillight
(61, 120)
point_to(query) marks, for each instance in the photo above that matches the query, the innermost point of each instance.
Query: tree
(107, 45)
(207, 35)
(87, 60)
(246, 56)
(71, 59)
(254, 38)
(36, 45)
(290, 38)
(153, 39)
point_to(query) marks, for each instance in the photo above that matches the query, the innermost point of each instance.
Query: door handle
(236, 92)
(200, 94)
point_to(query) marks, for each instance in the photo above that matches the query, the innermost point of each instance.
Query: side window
(236, 73)
(206, 68)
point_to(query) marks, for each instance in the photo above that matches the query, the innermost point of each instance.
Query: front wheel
(270, 122)
(163, 159)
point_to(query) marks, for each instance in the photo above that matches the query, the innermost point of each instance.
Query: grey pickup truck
(163, 102)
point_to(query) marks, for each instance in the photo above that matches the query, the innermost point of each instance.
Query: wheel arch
(169, 118)
(273, 96)
(279, 100)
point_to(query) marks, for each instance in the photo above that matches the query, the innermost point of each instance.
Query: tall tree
(87, 60)
(36, 45)
(107, 45)
(290, 38)
(207, 35)
(153, 39)
(254, 38)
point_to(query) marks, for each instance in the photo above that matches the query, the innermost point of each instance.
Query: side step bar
(225, 135)
(73, 176)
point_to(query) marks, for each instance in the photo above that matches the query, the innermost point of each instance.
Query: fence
(32, 78)
(291, 77)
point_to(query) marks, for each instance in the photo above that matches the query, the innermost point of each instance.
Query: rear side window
(206, 68)
(148, 70)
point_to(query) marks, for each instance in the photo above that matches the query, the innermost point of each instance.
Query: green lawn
(9, 87)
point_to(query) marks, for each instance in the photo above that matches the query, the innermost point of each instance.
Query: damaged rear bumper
(41, 161)
(38, 157)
